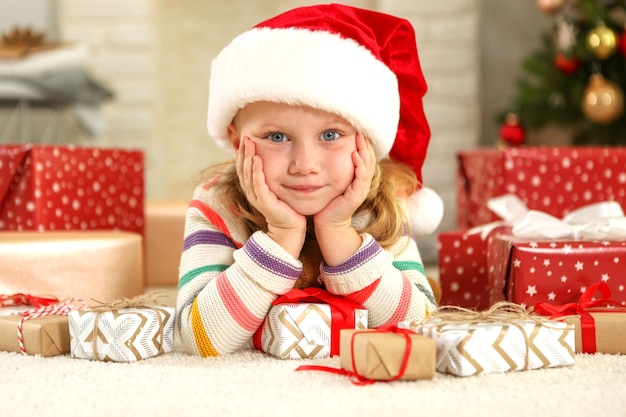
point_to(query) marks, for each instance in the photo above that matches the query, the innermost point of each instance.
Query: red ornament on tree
(511, 131)
(567, 65)
(621, 43)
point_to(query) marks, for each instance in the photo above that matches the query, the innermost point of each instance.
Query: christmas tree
(578, 77)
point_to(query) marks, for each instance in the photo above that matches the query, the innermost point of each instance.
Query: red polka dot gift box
(462, 262)
(555, 180)
(47, 187)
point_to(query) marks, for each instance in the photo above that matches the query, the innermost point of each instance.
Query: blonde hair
(392, 182)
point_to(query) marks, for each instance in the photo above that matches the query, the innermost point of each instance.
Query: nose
(304, 158)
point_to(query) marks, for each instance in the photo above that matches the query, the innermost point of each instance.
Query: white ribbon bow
(598, 221)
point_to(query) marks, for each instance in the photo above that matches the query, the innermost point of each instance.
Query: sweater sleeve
(391, 284)
(226, 288)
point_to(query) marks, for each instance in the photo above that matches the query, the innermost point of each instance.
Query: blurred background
(147, 64)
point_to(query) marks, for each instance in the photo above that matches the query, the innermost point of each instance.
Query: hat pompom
(425, 211)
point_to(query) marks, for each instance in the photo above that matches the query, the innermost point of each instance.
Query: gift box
(125, 331)
(599, 322)
(46, 187)
(306, 323)
(504, 339)
(41, 330)
(165, 227)
(462, 261)
(43, 336)
(387, 355)
(527, 271)
(554, 180)
(100, 265)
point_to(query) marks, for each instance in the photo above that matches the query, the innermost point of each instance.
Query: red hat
(360, 64)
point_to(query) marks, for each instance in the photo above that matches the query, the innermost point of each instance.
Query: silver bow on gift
(598, 221)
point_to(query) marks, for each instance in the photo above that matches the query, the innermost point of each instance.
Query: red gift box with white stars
(48, 187)
(553, 271)
(554, 180)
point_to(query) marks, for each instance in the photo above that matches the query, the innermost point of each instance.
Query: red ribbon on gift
(20, 299)
(354, 376)
(585, 303)
(341, 311)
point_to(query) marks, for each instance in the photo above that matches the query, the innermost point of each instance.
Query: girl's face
(306, 153)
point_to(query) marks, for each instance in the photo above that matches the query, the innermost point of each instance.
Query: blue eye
(277, 137)
(329, 135)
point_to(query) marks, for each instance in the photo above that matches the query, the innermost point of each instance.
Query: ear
(235, 139)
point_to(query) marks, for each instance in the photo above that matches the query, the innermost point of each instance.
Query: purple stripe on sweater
(207, 237)
(359, 258)
(270, 263)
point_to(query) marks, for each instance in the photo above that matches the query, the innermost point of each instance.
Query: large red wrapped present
(555, 180)
(47, 187)
(462, 261)
(462, 257)
(545, 259)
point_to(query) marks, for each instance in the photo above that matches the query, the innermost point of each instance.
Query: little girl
(323, 107)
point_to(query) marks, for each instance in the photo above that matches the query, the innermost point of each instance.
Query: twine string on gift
(148, 301)
(354, 376)
(503, 312)
(58, 309)
(582, 308)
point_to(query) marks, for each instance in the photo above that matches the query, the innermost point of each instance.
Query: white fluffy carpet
(254, 384)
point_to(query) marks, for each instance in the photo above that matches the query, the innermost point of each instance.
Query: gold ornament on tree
(602, 41)
(550, 6)
(603, 100)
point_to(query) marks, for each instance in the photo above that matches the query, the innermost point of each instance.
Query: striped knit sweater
(228, 279)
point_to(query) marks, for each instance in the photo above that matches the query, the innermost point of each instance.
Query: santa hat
(359, 64)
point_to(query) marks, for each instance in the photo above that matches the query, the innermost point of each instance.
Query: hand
(337, 238)
(339, 212)
(285, 226)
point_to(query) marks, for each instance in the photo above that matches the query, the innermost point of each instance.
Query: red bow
(21, 299)
(341, 311)
(585, 302)
(354, 376)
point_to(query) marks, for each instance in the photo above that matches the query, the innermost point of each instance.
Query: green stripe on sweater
(409, 265)
(198, 271)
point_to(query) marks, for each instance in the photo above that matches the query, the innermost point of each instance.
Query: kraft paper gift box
(100, 265)
(124, 334)
(306, 323)
(43, 336)
(378, 355)
(47, 187)
(599, 321)
(555, 180)
(165, 227)
(473, 345)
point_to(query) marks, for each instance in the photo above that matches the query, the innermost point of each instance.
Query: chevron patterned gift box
(497, 341)
(121, 335)
(306, 323)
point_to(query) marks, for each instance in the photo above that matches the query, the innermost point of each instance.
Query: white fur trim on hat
(425, 211)
(305, 67)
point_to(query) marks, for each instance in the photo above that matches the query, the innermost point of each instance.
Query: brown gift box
(378, 354)
(102, 265)
(610, 328)
(164, 229)
(44, 336)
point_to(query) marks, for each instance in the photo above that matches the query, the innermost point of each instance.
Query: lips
(304, 188)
